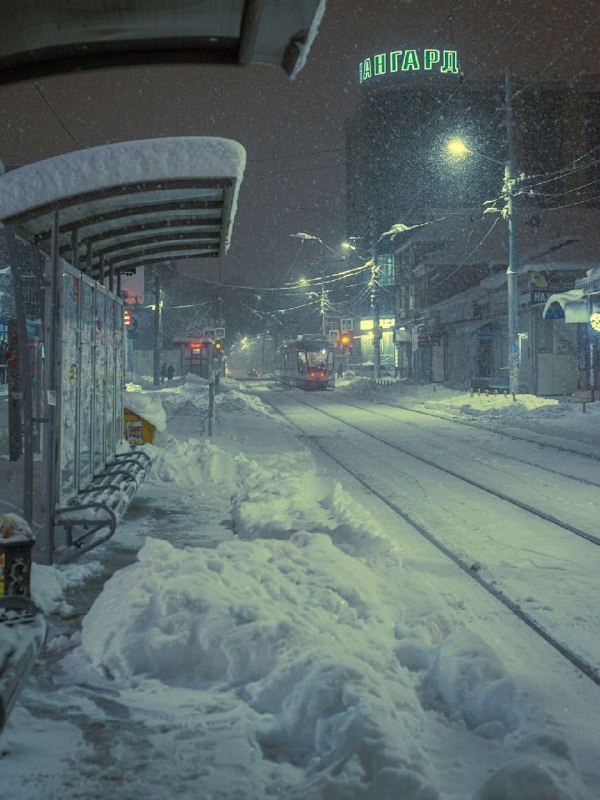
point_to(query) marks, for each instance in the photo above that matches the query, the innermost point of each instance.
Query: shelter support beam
(24, 372)
(45, 544)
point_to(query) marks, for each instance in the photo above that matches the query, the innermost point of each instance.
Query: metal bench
(91, 517)
(23, 632)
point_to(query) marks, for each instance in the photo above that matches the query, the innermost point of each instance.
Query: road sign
(347, 324)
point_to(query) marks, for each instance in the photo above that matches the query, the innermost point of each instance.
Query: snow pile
(295, 627)
(241, 402)
(301, 654)
(49, 584)
(467, 680)
(14, 529)
(146, 405)
(541, 768)
(195, 463)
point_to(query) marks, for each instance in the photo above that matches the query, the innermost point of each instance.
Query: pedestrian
(170, 372)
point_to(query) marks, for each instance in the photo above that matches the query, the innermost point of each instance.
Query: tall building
(400, 173)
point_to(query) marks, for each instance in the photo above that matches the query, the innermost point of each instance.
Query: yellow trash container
(137, 429)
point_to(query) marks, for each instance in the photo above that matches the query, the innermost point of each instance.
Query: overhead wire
(560, 173)
(576, 203)
(468, 256)
(559, 55)
(52, 110)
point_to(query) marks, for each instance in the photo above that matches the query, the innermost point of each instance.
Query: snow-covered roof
(130, 203)
(39, 39)
(575, 306)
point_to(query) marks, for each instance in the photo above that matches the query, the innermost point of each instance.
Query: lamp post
(323, 299)
(458, 148)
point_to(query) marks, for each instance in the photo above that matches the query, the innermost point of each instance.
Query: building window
(387, 276)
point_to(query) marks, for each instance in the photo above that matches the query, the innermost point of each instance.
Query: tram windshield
(320, 359)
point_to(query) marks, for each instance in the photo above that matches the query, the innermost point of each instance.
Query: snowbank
(295, 652)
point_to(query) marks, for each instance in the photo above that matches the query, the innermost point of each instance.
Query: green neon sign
(426, 59)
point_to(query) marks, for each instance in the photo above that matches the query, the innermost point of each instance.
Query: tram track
(470, 481)
(478, 426)
(484, 429)
(466, 566)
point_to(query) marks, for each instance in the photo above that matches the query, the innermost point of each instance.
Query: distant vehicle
(306, 362)
(253, 373)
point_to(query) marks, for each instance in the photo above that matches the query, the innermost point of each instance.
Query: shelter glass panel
(69, 395)
(112, 384)
(87, 382)
(100, 377)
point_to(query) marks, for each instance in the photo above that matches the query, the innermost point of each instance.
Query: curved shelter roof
(129, 204)
(51, 38)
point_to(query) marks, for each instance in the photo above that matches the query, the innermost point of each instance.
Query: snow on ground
(549, 416)
(283, 654)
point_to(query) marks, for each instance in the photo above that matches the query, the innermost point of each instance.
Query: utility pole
(374, 287)
(323, 309)
(511, 273)
(157, 328)
(323, 298)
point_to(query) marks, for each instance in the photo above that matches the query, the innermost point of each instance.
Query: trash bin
(16, 544)
(137, 429)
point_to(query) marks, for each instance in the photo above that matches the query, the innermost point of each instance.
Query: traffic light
(127, 317)
(218, 346)
(346, 340)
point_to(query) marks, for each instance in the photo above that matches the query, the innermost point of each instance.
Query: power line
(567, 191)
(468, 256)
(555, 59)
(58, 119)
(576, 203)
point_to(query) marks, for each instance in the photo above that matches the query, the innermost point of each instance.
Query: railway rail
(468, 568)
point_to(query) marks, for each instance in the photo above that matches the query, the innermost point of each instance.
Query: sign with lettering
(426, 60)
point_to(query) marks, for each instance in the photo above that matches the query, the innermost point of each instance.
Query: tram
(306, 362)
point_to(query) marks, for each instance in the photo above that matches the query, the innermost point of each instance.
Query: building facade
(410, 202)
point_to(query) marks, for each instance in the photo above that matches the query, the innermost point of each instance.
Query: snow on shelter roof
(130, 203)
(51, 38)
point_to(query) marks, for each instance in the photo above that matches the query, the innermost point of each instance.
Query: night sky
(293, 132)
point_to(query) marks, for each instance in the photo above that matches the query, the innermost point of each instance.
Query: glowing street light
(459, 148)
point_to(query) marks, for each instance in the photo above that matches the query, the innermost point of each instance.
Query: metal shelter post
(24, 371)
(45, 546)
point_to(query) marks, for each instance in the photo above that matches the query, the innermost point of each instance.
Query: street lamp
(323, 302)
(459, 148)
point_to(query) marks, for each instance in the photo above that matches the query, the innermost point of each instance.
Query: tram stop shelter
(40, 39)
(71, 225)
